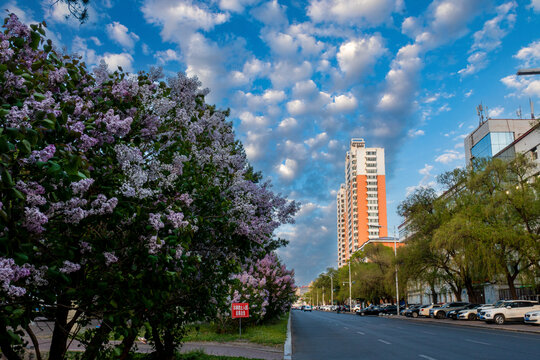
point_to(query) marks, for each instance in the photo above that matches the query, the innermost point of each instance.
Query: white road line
(427, 357)
(361, 333)
(346, 328)
(384, 341)
(477, 342)
(428, 332)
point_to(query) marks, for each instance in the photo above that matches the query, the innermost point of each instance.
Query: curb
(465, 324)
(287, 348)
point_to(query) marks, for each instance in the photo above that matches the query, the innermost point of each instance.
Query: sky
(302, 78)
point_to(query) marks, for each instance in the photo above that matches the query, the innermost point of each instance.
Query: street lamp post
(528, 71)
(350, 287)
(331, 289)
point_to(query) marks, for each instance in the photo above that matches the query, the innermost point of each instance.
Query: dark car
(390, 309)
(413, 311)
(370, 310)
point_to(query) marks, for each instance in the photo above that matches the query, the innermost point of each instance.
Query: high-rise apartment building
(361, 201)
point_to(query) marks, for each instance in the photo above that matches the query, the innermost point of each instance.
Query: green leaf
(113, 304)
(39, 96)
(17, 193)
(27, 146)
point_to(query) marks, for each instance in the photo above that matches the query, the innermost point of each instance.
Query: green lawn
(272, 334)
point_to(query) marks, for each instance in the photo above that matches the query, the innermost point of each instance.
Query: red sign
(240, 310)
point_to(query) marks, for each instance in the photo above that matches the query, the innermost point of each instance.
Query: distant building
(361, 200)
(502, 138)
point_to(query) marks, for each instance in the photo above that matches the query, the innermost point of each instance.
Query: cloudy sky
(303, 77)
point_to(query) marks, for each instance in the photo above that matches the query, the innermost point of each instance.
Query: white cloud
(180, 19)
(523, 86)
(414, 133)
(58, 11)
(371, 12)
(343, 104)
(236, 5)
(529, 54)
(288, 124)
(489, 37)
(469, 93)
(357, 56)
(271, 13)
(145, 49)
(95, 40)
(249, 120)
(284, 73)
(120, 34)
(450, 156)
(166, 56)
(124, 60)
(281, 44)
(426, 181)
(535, 5)
(287, 169)
(496, 111)
(274, 96)
(317, 141)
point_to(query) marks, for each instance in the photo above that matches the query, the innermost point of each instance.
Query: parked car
(414, 311)
(370, 310)
(390, 310)
(532, 317)
(424, 311)
(307, 308)
(479, 315)
(356, 308)
(510, 310)
(440, 313)
(469, 314)
(453, 314)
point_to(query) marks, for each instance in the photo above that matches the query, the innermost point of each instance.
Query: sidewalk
(235, 348)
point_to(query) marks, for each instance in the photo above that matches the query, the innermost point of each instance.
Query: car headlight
(488, 315)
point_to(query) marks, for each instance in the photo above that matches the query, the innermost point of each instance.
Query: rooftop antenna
(518, 113)
(486, 112)
(532, 108)
(480, 112)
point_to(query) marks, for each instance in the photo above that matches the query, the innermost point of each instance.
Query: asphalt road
(326, 336)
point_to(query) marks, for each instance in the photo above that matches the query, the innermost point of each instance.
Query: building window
(491, 144)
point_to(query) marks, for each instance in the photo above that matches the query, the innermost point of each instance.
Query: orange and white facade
(361, 201)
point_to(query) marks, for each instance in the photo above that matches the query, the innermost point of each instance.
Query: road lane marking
(346, 328)
(361, 333)
(477, 342)
(384, 341)
(428, 332)
(426, 357)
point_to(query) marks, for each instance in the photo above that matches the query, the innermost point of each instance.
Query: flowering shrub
(123, 198)
(267, 286)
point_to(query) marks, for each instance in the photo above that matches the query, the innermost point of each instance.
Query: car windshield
(502, 304)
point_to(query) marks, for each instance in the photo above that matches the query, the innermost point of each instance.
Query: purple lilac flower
(42, 155)
(69, 267)
(155, 221)
(34, 219)
(81, 186)
(176, 219)
(110, 258)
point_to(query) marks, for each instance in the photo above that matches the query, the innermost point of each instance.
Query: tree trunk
(127, 344)
(61, 331)
(157, 340)
(92, 350)
(511, 286)
(35, 342)
(434, 293)
(169, 347)
(5, 343)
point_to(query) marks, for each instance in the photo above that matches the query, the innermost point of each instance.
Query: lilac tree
(267, 286)
(123, 198)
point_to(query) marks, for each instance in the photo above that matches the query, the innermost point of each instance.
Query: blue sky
(303, 77)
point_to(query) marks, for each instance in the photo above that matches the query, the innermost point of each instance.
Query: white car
(424, 311)
(470, 314)
(510, 310)
(532, 317)
(356, 308)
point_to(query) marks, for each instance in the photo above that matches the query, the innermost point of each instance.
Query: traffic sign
(240, 310)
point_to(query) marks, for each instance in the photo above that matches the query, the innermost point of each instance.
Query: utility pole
(350, 287)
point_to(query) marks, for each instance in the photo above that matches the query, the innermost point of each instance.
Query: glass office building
(491, 144)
